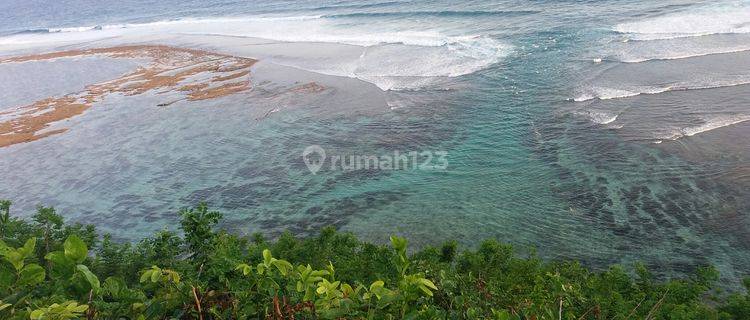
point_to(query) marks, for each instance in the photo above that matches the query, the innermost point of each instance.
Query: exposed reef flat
(198, 74)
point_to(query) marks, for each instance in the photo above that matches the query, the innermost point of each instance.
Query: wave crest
(448, 13)
(605, 93)
(698, 22)
(394, 57)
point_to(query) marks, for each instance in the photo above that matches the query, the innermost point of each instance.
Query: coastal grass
(53, 270)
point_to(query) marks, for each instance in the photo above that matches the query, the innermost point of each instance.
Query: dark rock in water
(248, 192)
(247, 172)
(677, 239)
(177, 185)
(632, 210)
(645, 190)
(622, 247)
(607, 218)
(647, 158)
(335, 213)
(694, 219)
(127, 201)
(665, 223)
(683, 266)
(682, 220)
(703, 209)
(151, 218)
(597, 205)
(621, 230)
(672, 210)
(586, 200)
(239, 203)
(564, 174)
(556, 166)
(658, 215)
(670, 206)
(650, 227)
(313, 210)
(592, 213)
(644, 220)
(202, 194)
(650, 206)
(631, 194)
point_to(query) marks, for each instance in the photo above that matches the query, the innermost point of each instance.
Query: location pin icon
(314, 156)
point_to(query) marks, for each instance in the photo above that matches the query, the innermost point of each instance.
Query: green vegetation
(53, 270)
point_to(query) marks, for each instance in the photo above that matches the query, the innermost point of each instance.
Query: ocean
(605, 131)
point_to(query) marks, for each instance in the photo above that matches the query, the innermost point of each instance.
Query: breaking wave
(388, 54)
(702, 21)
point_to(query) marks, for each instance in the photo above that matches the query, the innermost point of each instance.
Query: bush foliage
(53, 270)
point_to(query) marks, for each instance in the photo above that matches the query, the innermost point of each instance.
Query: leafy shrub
(48, 272)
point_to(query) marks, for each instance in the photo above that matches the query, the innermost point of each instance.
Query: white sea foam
(707, 125)
(603, 93)
(715, 123)
(600, 117)
(715, 19)
(294, 29)
(395, 67)
(675, 55)
(606, 93)
(74, 29)
(394, 57)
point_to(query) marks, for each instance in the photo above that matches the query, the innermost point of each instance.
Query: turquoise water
(605, 131)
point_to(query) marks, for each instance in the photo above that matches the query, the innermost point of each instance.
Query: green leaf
(319, 273)
(31, 274)
(376, 284)
(28, 248)
(171, 275)
(114, 286)
(267, 257)
(62, 266)
(91, 278)
(283, 266)
(425, 290)
(398, 243)
(7, 275)
(246, 269)
(76, 308)
(145, 276)
(75, 249)
(347, 289)
(155, 275)
(4, 248)
(428, 283)
(15, 258)
(36, 314)
(503, 315)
